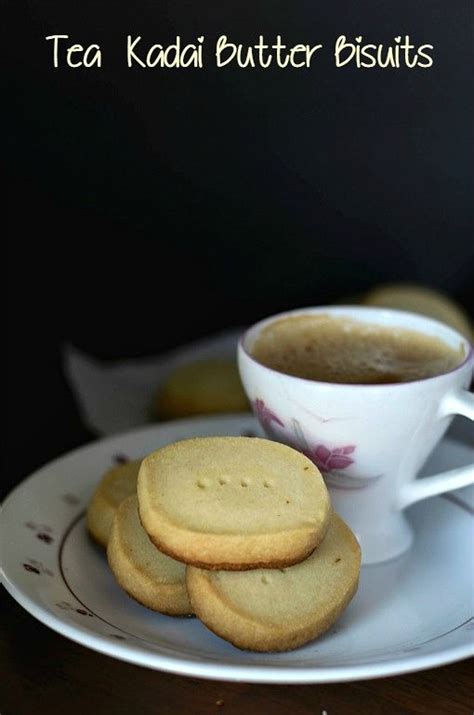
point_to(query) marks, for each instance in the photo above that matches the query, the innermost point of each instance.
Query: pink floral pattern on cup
(328, 460)
(265, 415)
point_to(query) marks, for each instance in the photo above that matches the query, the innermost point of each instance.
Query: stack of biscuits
(238, 531)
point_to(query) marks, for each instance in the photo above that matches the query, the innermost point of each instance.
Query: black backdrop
(153, 206)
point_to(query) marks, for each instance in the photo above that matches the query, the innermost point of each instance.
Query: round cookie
(147, 575)
(276, 610)
(204, 387)
(233, 502)
(418, 299)
(116, 485)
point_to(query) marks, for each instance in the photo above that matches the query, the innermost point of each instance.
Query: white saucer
(410, 614)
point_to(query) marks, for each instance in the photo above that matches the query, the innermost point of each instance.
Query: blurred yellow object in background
(199, 388)
(419, 299)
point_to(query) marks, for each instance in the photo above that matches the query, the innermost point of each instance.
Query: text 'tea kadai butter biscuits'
(116, 485)
(280, 609)
(233, 503)
(149, 576)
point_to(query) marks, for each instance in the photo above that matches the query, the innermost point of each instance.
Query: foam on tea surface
(340, 350)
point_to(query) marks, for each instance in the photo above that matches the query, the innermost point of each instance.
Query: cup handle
(460, 403)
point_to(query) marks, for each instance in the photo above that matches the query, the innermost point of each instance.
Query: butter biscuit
(150, 577)
(116, 485)
(280, 609)
(233, 503)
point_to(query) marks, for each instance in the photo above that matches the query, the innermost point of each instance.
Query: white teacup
(369, 441)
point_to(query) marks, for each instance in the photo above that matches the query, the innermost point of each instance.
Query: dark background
(150, 207)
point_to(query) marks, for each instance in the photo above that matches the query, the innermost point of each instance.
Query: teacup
(368, 440)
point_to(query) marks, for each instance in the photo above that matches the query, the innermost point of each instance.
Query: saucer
(413, 613)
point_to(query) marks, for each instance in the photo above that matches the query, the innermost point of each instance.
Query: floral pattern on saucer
(42, 531)
(36, 567)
